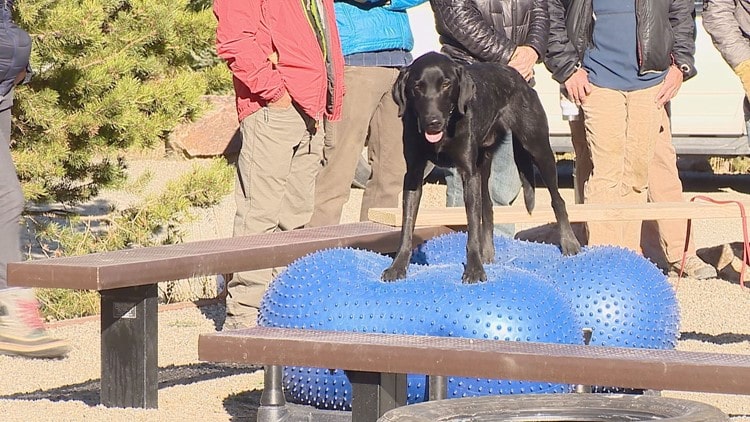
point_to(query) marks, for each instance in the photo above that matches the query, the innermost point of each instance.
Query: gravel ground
(715, 318)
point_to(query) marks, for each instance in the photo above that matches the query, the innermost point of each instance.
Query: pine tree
(110, 75)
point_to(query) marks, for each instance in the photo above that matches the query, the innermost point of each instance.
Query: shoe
(239, 322)
(22, 331)
(694, 268)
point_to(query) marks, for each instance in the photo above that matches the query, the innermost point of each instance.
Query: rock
(727, 258)
(215, 133)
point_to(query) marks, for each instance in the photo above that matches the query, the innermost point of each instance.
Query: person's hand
(743, 71)
(20, 77)
(284, 102)
(670, 86)
(274, 58)
(523, 60)
(578, 86)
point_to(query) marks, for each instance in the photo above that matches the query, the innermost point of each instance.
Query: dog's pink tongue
(433, 137)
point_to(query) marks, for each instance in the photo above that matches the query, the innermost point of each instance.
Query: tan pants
(663, 240)
(621, 131)
(276, 168)
(369, 115)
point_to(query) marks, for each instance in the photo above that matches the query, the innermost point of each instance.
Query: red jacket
(249, 31)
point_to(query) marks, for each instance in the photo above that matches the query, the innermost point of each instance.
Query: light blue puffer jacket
(367, 25)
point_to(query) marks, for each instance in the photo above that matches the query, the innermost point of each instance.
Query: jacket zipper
(514, 34)
(638, 41)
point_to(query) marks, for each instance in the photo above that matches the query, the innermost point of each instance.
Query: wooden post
(129, 372)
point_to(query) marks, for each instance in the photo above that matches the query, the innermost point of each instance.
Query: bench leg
(375, 393)
(272, 402)
(129, 347)
(437, 387)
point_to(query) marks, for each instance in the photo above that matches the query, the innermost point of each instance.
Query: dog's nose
(433, 123)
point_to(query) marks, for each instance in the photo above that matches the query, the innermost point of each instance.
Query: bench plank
(135, 267)
(127, 283)
(450, 356)
(456, 216)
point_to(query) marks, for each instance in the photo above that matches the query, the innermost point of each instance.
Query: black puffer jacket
(665, 29)
(15, 48)
(490, 30)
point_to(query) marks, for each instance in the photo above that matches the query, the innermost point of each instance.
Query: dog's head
(433, 87)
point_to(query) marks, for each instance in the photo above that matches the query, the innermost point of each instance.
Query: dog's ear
(466, 89)
(399, 90)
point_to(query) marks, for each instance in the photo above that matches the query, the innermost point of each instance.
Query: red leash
(746, 243)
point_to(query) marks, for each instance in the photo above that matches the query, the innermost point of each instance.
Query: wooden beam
(576, 212)
(494, 359)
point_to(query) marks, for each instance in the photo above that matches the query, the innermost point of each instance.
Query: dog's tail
(526, 171)
(528, 193)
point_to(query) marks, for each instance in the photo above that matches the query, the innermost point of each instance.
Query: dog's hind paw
(570, 246)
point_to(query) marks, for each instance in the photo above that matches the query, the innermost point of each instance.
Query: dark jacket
(15, 48)
(665, 31)
(490, 30)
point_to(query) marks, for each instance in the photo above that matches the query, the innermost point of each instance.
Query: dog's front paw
(569, 245)
(473, 274)
(393, 273)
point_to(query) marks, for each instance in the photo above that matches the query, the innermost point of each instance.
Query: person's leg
(11, 202)
(270, 140)
(22, 330)
(298, 201)
(643, 125)
(504, 184)
(454, 190)
(583, 166)
(344, 143)
(606, 125)
(665, 239)
(385, 149)
(620, 130)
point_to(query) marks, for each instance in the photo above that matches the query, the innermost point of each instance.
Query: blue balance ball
(451, 248)
(341, 290)
(623, 297)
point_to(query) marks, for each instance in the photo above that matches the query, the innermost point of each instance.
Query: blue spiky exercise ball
(341, 290)
(451, 248)
(623, 297)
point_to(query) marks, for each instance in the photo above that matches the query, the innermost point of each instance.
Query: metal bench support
(375, 393)
(129, 372)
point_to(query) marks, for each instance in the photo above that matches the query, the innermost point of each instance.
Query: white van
(707, 115)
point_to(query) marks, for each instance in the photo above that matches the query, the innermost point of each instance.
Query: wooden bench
(576, 213)
(127, 282)
(376, 364)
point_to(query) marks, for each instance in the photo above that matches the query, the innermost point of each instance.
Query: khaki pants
(369, 115)
(621, 131)
(279, 158)
(663, 240)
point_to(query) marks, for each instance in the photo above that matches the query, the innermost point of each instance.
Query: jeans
(11, 202)
(504, 184)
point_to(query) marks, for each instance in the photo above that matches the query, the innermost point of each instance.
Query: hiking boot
(694, 268)
(22, 331)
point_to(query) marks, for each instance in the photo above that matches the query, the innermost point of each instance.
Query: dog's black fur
(467, 111)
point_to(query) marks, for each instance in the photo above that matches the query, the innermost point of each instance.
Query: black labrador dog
(456, 116)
